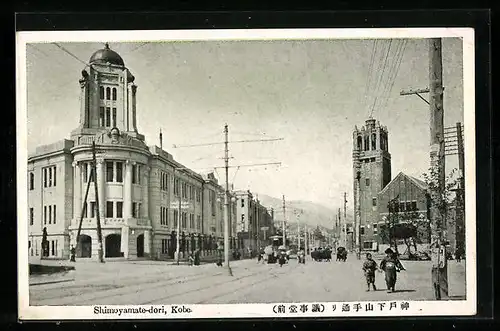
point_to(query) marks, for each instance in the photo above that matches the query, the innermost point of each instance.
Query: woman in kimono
(391, 265)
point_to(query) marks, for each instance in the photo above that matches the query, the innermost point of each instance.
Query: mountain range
(311, 214)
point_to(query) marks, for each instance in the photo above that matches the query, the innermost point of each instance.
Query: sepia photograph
(246, 173)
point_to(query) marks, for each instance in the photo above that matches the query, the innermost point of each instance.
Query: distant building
(411, 205)
(251, 217)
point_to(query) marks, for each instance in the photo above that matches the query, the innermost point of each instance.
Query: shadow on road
(403, 291)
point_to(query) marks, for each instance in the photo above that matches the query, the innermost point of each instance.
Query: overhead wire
(388, 81)
(381, 76)
(370, 70)
(399, 61)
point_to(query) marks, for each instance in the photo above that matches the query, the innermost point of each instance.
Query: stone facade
(139, 186)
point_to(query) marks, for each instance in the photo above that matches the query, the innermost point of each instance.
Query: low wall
(38, 269)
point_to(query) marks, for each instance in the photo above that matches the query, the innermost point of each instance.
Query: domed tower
(107, 96)
(371, 172)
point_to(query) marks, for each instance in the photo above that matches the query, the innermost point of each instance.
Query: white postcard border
(416, 308)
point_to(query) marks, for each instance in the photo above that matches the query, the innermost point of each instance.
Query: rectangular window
(408, 206)
(119, 172)
(32, 216)
(134, 209)
(362, 230)
(32, 181)
(114, 117)
(134, 171)
(101, 116)
(401, 206)
(109, 209)
(55, 175)
(184, 220)
(198, 222)
(55, 214)
(45, 177)
(119, 209)
(50, 177)
(53, 248)
(139, 210)
(176, 218)
(50, 214)
(85, 211)
(242, 203)
(92, 209)
(109, 172)
(367, 244)
(375, 228)
(108, 117)
(367, 182)
(414, 205)
(164, 246)
(374, 202)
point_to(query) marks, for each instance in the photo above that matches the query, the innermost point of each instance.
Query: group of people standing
(390, 265)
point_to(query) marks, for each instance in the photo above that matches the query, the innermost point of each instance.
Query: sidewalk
(123, 271)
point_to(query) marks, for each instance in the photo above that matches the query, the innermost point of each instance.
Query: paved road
(150, 282)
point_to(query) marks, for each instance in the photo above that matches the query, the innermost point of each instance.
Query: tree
(440, 200)
(318, 235)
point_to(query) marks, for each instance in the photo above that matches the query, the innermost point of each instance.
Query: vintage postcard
(246, 173)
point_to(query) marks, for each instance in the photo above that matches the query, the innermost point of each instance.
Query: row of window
(114, 209)
(107, 117)
(35, 250)
(114, 172)
(49, 177)
(403, 206)
(366, 147)
(108, 93)
(49, 213)
(362, 229)
(194, 223)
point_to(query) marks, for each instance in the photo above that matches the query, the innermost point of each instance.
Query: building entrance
(84, 248)
(113, 243)
(140, 245)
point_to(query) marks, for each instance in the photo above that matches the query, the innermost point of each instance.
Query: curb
(52, 282)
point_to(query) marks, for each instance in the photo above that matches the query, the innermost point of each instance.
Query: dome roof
(106, 55)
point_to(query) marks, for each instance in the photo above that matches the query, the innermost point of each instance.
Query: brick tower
(372, 172)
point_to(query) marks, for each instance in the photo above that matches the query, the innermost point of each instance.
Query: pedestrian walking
(73, 254)
(191, 259)
(369, 268)
(391, 265)
(197, 257)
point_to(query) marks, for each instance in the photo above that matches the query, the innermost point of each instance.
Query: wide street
(154, 282)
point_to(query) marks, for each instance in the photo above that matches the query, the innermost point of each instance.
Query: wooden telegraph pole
(98, 211)
(345, 220)
(439, 269)
(284, 222)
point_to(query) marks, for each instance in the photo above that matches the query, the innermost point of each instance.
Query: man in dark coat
(391, 265)
(73, 254)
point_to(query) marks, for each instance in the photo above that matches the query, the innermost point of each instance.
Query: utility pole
(461, 190)
(284, 222)
(226, 202)
(84, 208)
(178, 236)
(258, 223)
(437, 149)
(345, 220)
(98, 216)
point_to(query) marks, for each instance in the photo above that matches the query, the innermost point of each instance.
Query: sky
(310, 93)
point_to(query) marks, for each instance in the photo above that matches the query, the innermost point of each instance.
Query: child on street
(369, 268)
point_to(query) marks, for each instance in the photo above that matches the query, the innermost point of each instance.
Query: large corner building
(139, 186)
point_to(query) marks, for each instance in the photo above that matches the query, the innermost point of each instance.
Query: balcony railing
(107, 222)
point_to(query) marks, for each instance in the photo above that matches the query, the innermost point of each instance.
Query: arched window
(108, 93)
(114, 93)
(101, 92)
(360, 143)
(367, 143)
(374, 141)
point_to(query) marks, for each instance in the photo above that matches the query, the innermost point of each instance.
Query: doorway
(113, 243)
(84, 248)
(140, 245)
